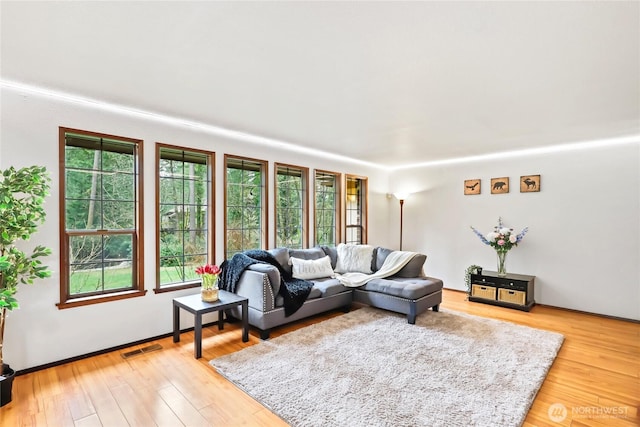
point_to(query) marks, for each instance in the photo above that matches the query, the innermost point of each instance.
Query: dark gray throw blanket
(293, 291)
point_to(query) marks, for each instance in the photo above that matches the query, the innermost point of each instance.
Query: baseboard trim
(606, 316)
(146, 340)
(100, 352)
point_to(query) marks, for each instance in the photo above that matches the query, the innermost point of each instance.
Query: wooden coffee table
(194, 304)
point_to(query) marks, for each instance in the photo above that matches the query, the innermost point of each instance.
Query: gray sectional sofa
(407, 291)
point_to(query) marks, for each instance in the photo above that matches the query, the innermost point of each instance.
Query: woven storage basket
(482, 291)
(514, 297)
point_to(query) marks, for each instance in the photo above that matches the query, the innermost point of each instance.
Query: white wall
(583, 244)
(40, 333)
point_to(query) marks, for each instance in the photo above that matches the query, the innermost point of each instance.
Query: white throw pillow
(308, 269)
(354, 258)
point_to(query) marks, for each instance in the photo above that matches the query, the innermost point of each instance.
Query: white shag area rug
(371, 368)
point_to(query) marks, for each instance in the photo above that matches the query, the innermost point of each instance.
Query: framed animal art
(471, 186)
(529, 183)
(500, 185)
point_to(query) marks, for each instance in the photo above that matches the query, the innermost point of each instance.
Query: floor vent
(142, 350)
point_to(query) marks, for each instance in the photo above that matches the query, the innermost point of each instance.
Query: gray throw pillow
(381, 255)
(311, 253)
(332, 252)
(414, 267)
(282, 256)
(374, 260)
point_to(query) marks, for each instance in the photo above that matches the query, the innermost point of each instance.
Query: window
(184, 216)
(101, 222)
(245, 212)
(291, 206)
(356, 210)
(327, 208)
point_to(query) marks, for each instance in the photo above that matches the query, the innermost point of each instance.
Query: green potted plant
(472, 269)
(22, 193)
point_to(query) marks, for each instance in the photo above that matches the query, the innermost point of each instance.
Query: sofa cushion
(311, 268)
(413, 267)
(315, 293)
(329, 286)
(404, 287)
(354, 258)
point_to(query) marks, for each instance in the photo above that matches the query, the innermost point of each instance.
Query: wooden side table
(194, 304)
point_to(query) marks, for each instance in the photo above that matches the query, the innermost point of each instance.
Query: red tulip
(208, 269)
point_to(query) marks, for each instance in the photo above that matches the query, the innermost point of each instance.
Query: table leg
(220, 320)
(197, 340)
(176, 323)
(245, 321)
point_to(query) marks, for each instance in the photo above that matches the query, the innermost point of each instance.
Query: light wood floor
(596, 377)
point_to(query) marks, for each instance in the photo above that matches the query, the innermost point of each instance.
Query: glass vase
(502, 263)
(209, 291)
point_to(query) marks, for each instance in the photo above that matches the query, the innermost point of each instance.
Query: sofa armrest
(271, 271)
(260, 283)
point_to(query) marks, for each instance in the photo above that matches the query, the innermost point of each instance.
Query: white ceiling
(392, 83)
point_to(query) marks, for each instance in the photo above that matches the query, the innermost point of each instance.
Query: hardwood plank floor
(595, 379)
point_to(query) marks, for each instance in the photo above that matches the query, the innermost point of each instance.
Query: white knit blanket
(392, 264)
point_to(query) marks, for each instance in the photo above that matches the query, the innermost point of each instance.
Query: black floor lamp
(401, 197)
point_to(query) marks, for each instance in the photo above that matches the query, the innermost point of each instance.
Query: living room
(559, 99)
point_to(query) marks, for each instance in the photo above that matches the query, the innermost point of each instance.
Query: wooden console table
(512, 291)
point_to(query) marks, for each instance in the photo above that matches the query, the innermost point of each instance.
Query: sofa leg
(436, 307)
(264, 334)
(411, 317)
(346, 308)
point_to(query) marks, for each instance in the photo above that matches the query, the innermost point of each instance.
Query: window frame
(264, 211)
(363, 208)
(337, 214)
(304, 174)
(66, 299)
(210, 205)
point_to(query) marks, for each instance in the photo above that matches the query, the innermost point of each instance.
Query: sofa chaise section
(410, 296)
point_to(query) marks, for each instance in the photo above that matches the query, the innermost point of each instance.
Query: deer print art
(530, 183)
